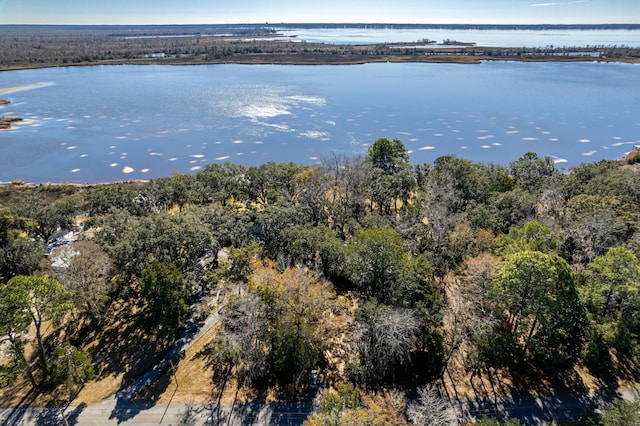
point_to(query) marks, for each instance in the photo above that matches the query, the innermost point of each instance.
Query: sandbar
(24, 87)
(5, 122)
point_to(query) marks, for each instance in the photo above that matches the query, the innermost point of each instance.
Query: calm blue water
(493, 38)
(90, 124)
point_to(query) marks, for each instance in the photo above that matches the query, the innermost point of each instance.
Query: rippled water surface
(90, 124)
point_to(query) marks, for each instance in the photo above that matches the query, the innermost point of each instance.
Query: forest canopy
(374, 271)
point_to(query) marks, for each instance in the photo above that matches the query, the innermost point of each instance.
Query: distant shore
(29, 47)
(295, 59)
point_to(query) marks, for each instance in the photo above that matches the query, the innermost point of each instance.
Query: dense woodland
(43, 46)
(378, 273)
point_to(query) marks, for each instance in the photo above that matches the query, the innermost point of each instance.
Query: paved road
(533, 410)
(529, 410)
(105, 413)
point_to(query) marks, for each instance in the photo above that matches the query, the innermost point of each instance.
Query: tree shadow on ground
(137, 398)
(150, 393)
(15, 418)
(258, 410)
(57, 416)
(190, 415)
(73, 415)
(606, 378)
(535, 380)
(50, 417)
(49, 397)
(628, 369)
(125, 410)
(126, 345)
(222, 379)
(534, 396)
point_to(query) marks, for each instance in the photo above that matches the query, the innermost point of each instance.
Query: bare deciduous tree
(240, 343)
(469, 319)
(387, 337)
(85, 270)
(430, 409)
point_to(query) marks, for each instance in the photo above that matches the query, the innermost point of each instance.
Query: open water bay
(481, 37)
(105, 123)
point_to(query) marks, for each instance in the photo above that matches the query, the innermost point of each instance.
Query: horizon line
(330, 23)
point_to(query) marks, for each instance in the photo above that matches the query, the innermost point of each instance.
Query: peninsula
(28, 46)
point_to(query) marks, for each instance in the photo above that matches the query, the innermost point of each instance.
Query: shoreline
(21, 184)
(313, 60)
(259, 52)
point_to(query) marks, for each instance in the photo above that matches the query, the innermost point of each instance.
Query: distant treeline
(132, 30)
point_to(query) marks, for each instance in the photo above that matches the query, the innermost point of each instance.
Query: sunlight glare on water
(138, 122)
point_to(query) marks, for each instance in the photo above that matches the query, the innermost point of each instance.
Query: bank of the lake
(359, 55)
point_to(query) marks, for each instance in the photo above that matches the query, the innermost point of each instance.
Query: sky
(334, 11)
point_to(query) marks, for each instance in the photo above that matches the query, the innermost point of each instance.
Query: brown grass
(121, 350)
(459, 382)
(192, 381)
